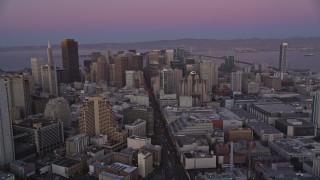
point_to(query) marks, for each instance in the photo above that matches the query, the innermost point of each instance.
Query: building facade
(70, 59)
(283, 59)
(36, 64)
(98, 118)
(6, 132)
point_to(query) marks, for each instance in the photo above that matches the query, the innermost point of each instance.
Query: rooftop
(277, 108)
(199, 154)
(136, 122)
(66, 162)
(261, 127)
(305, 146)
(4, 175)
(77, 137)
(123, 167)
(295, 122)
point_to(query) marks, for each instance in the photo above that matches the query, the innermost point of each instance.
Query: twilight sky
(33, 22)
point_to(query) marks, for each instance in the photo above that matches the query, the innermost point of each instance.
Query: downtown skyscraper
(283, 64)
(49, 74)
(6, 133)
(70, 59)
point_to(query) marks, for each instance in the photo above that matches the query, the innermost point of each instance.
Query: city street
(171, 167)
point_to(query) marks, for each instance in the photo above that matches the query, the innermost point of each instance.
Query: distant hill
(199, 44)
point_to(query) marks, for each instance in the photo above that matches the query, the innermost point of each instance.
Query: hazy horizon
(139, 21)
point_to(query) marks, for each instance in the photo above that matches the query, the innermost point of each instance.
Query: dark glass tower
(70, 59)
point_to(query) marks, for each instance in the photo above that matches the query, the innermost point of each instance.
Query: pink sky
(125, 19)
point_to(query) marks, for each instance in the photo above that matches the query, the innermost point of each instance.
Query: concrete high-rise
(36, 64)
(20, 94)
(98, 118)
(49, 74)
(316, 109)
(209, 72)
(121, 66)
(169, 56)
(130, 77)
(236, 81)
(70, 59)
(283, 59)
(6, 133)
(58, 109)
(169, 80)
(102, 69)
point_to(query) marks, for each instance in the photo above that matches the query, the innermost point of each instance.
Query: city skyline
(127, 21)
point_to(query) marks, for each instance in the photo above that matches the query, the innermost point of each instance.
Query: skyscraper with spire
(49, 74)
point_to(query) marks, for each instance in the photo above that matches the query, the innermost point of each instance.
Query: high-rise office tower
(36, 64)
(169, 56)
(70, 59)
(121, 66)
(112, 73)
(98, 118)
(209, 72)
(102, 69)
(283, 59)
(6, 132)
(236, 81)
(167, 81)
(316, 109)
(130, 77)
(193, 85)
(137, 63)
(20, 94)
(49, 75)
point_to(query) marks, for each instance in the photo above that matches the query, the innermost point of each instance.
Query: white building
(49, 75)
(137, 142)
(236, 81)
(169, 55)
(6, 132)
(198, 160)
(130, 76)
(145, 163)
(283, 65)
(142, 100)
(137, 128)
(36, 64)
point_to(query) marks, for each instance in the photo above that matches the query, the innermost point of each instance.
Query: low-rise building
(77, 144)
(191, 143)
(145, 163)
(198, 160)
(22, 169)
(66, 167)
(301, 148)
(155, 150)
(265, 131)
(137, 142)
(109, 176)
(239, 134)
(128, 172)
(296, 127)
(137, 128)
(270, 111)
